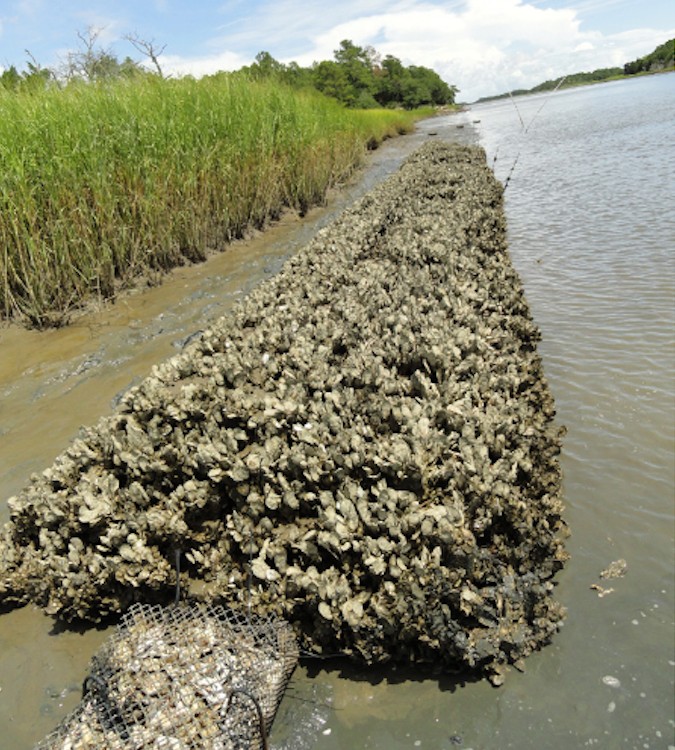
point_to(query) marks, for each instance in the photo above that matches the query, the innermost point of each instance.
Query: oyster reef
(364, 446)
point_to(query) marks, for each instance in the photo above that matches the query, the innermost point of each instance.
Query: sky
(483, 47)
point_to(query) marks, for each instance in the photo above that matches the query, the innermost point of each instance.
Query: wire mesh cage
(182, 678)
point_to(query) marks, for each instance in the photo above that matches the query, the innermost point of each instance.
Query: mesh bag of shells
(368, 438)
(182, 678)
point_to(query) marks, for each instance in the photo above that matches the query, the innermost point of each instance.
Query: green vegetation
(89, 63)
(359, 77)
(575, 79)
(110, 173)
(101, 183)
(660, 60)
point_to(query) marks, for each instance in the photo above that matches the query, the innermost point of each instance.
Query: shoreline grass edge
(102, 185)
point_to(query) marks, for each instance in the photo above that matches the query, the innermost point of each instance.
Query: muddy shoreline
(365, 446)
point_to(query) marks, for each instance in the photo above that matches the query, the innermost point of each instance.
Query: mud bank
(365, 446)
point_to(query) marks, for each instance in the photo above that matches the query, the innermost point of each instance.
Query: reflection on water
(591, 228)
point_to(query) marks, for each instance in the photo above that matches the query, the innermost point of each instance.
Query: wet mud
(365, 445)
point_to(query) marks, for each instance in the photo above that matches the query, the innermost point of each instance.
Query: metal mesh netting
(182, 678)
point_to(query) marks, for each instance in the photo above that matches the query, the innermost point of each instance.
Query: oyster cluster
(365, 446)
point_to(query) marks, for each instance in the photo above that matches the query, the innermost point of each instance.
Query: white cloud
(200, 66)
(489, 46)
(482, 46)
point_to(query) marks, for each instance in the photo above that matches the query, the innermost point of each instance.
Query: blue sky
(482, 46)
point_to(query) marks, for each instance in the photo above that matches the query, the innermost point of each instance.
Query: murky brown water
(591, 228)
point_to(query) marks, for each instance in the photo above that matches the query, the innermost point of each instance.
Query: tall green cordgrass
(101, 185)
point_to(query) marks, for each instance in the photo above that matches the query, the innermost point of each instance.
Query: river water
(591, 226)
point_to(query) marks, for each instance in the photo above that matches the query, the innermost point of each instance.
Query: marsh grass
(103, 185)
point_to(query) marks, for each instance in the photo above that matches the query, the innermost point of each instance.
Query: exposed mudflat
(365, 446)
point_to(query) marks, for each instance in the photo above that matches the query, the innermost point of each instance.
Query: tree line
(574, 79)
(358, 77)
(660, 59)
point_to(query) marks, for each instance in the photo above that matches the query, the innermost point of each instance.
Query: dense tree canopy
(662, 58)
(359, 77)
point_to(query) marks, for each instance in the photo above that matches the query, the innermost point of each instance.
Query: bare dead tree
(90, 62)
(148, 48)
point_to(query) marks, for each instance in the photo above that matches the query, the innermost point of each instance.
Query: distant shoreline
(574, 84)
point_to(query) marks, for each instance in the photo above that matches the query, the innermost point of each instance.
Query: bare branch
(148, 48)
(89, 38)
(89, 62)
